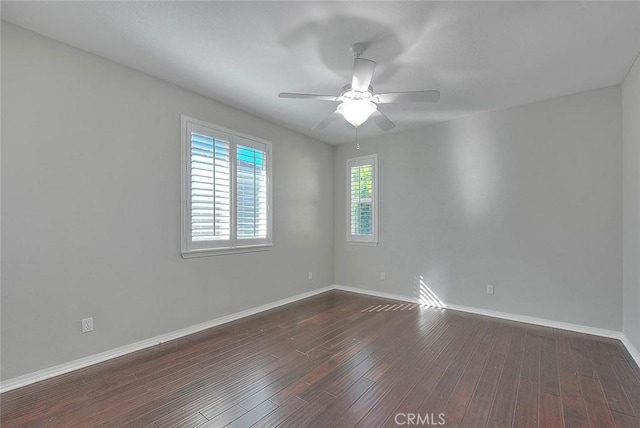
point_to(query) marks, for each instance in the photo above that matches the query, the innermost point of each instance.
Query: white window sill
(207, 252)
(363, 243)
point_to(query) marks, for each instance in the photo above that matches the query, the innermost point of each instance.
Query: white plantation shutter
(226, 190)
(251, 193)
(362, 191)
(210, 188)
(361, 200)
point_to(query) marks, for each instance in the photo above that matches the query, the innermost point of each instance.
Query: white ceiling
(480, 55)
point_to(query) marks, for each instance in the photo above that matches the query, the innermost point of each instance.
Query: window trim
(372, 240)
(233, 245)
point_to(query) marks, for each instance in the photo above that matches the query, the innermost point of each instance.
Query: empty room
(319, 214)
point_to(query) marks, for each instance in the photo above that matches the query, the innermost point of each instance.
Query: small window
(362, 200)
(226, 185)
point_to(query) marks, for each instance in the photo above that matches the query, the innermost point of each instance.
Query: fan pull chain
(357, 144)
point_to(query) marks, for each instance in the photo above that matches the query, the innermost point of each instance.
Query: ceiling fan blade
(382, 121)
(320, 126)
(308, 96)
(362, 74)
(408, 97)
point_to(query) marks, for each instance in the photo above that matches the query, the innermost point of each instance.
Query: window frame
(370, 240)
(190, 248)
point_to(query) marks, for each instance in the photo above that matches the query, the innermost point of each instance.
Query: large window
(362, 200)
(226, 190)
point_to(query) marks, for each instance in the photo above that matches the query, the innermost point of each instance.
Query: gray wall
(91, 209)
(631, 212)
(528, 199)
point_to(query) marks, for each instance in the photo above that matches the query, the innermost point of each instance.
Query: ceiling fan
(358, 102)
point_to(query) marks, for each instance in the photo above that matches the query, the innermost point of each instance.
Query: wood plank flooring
(343, 360)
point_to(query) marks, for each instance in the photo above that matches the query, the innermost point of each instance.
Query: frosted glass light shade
(356, 112)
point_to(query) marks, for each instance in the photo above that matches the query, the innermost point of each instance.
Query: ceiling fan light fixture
(356, 112)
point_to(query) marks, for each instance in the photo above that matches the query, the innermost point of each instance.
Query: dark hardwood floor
(342, 360)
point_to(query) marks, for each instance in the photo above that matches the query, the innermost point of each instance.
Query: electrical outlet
(87, 325)
(310, 275)
(490, 289)
(383, 276)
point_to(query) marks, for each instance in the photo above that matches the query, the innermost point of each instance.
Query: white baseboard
(538, 321)
(40, 375)
(50, 372)
(373, 293)
(509, 316)
(635, 354)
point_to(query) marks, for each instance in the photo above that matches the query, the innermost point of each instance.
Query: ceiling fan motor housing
(348, 94)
